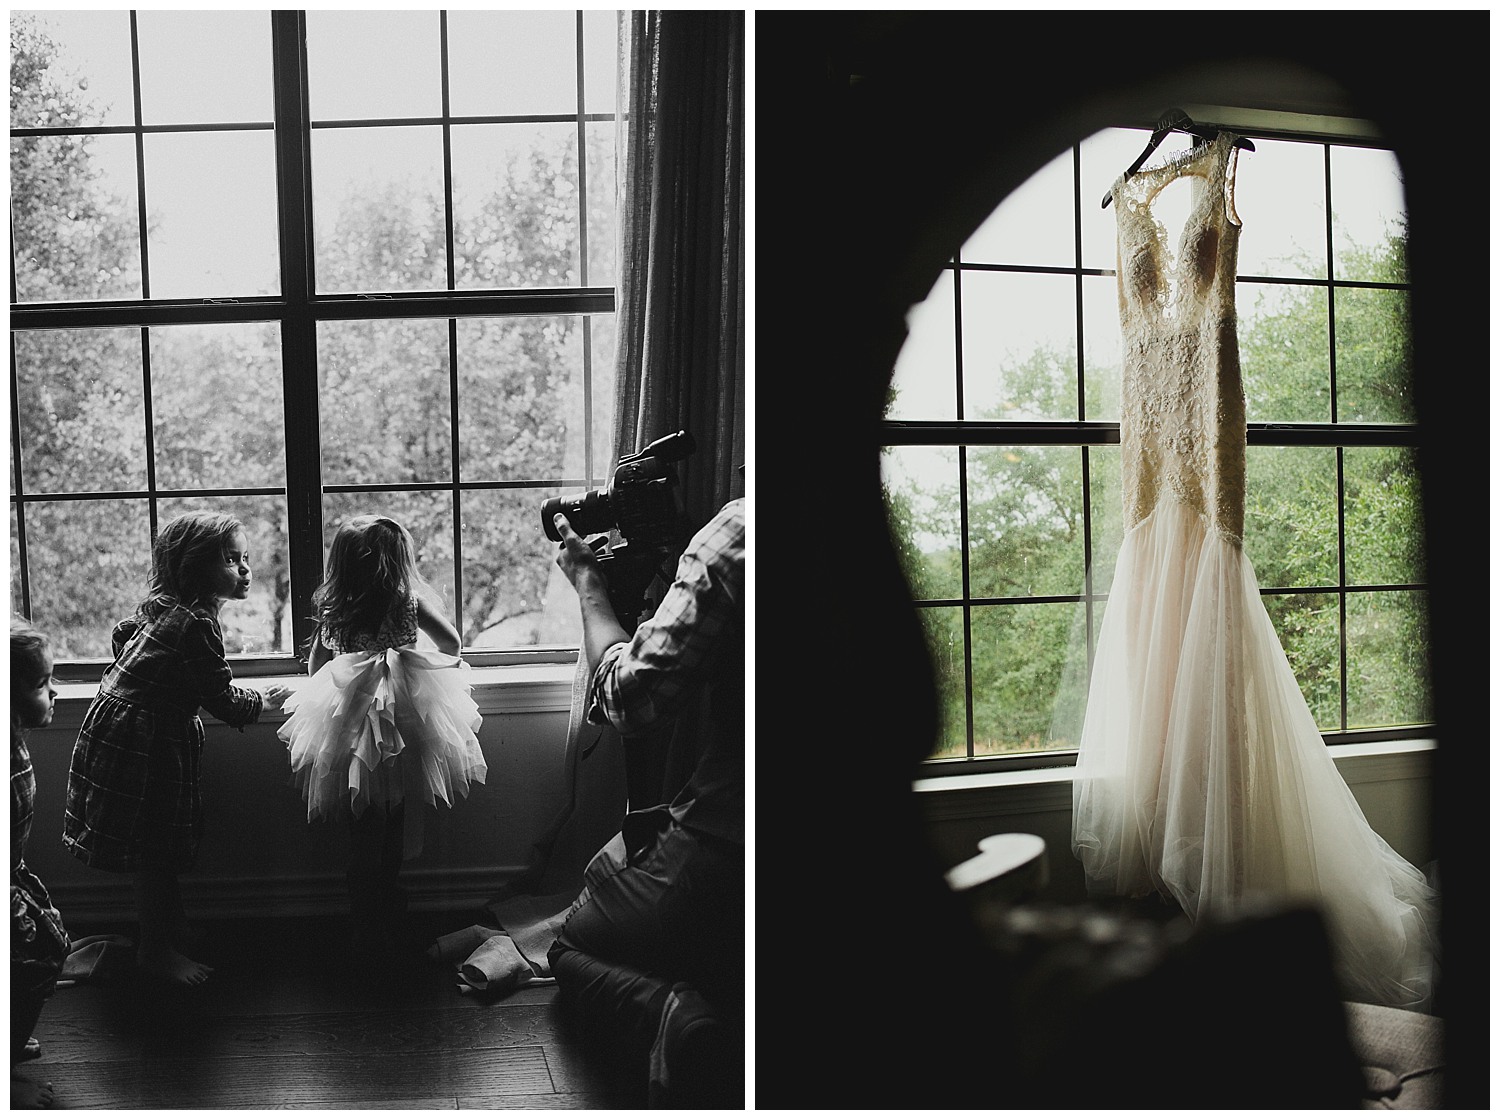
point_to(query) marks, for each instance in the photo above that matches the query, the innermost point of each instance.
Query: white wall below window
(261, 855)
(1391, 781)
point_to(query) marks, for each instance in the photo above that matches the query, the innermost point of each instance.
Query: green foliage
(1025, 526)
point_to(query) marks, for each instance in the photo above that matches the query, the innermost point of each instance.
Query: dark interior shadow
(881, 141)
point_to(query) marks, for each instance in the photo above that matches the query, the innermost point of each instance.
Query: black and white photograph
(378, 559)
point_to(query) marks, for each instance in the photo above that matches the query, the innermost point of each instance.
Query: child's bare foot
(170, 965)
(26, 1092)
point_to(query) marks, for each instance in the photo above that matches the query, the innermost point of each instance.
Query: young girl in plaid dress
(381, 726)
(133, 800)
(38, 942)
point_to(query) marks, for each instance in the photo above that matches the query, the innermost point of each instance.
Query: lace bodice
(399, 629)
(1182, 424)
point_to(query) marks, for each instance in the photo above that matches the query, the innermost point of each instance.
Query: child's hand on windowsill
(275, 694)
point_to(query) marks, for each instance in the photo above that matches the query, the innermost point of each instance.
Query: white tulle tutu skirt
(1202, 775)
(384, 729)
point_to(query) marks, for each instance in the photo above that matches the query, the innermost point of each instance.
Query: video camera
(642, 504)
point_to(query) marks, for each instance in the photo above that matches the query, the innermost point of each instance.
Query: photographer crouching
(656, 941)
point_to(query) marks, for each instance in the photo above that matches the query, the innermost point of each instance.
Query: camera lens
(587, 513)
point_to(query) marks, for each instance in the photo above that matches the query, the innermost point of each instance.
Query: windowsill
(498, 689)
(1364, 762)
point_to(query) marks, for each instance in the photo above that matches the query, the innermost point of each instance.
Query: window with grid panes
(1001, 464)
(300, 265)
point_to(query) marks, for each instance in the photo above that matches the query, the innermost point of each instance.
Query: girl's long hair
(27, 645)
(183, 557)
(372, 569)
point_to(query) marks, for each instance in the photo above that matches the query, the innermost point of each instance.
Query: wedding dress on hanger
(1201, 772)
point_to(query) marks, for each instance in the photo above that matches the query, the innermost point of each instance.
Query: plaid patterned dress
(38, 942)
(133, 786)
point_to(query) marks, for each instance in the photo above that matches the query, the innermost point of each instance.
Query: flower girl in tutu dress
(380, 725)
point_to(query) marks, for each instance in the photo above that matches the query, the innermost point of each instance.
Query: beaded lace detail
(1182, 425)
(398, 630)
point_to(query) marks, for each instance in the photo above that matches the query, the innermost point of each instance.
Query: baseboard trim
(288, 896)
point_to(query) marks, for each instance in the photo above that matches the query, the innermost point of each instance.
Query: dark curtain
(681, 313)
(681, 353)
(680, 365)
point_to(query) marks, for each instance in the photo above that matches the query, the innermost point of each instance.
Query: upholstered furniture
(1124, 1006)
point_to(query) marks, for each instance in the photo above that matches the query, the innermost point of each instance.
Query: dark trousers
(671, 918)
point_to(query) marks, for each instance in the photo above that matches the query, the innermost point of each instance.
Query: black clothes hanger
(1173, 120)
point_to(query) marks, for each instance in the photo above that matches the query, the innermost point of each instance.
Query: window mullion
(298, 325)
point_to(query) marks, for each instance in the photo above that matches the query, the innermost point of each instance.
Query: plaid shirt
(36, 928)
(133, 786)
(694, 645)
(641, 684)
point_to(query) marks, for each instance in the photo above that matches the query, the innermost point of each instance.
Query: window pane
(1020, 654)
(601, 37)
(17, 600)
(515, 205)
(1025, 521)
(1388, 652)
(1033, 225)
(200, 67)
(944, 630)
(216, 393)
(212, 198)
(514, 593)
(89, 563)
(378, 209)
(1279, 194)
(1308, 627)
(1019, 342)
(1071, 700)
(428, 517)
(1383, 516)
(1373, 342)
(384, 409)
(602, 333)
(74, 223)
(520, 387)
(82, 421)
(1102, 159)
(1103, 358)
(261, 624)
(1369, 213)
(1106, 514)
(921, 499)
(1291, 515)
(924, 385)
(1283, 337)
(373, 65)
(70, 68)
(512, 63)
(602, 211)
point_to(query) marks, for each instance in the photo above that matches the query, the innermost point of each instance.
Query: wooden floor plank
(412, 1105)
(71, 1038)
(298, 1081)
(551, 1101)
(285, 1021)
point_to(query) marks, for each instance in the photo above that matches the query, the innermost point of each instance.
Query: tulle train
(1202, 774)
(382, 728)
